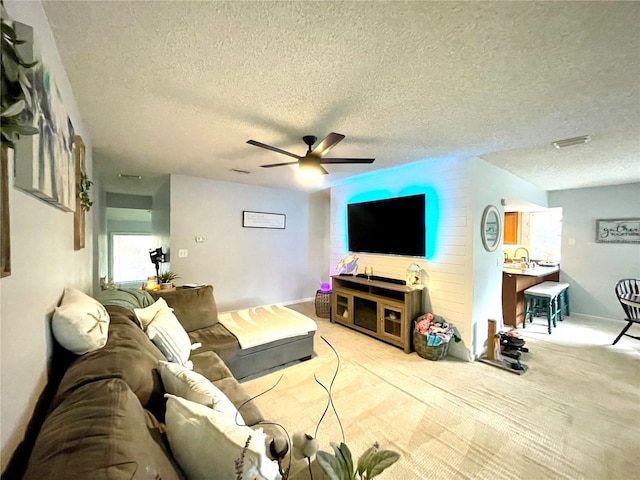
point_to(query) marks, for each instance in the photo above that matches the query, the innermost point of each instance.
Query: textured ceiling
(179, 87)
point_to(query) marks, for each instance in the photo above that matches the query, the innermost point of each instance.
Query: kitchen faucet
(522, 248)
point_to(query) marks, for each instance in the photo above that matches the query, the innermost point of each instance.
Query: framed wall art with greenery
(83, 200)
(16, 116)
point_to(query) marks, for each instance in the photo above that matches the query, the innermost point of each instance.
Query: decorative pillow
(195, 307)
(145, 315)
(169, 336)
(206, 443)
(80, 324)
(188, 384)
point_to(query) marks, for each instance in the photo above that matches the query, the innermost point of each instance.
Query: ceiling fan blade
(278, 164)
(273, 149)
(346, 160)
(327, 144)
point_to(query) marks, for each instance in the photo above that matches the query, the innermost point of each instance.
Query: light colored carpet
(575, 414)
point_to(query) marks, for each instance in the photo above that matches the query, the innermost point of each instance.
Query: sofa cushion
(128, 354)
(80, 324)
(100, 431)
(185, 383)
(169, 336)
(145, 315)
(193, 429)
(216, 339)
(213, 368)
(195, 307)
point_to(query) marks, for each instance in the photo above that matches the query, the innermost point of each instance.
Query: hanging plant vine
(84, 188)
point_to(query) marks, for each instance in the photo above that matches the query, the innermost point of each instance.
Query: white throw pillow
(145, 315)
(206, 443)
(193, 386)
(80, 324)
(170, 337)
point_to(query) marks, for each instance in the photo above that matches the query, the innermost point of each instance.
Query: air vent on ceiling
(569, 142)
(130, 176)
(237, 170)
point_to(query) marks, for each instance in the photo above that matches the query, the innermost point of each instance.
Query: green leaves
(14, 109)
(340, 465)
(84, 188)
(16, 105)
(378, 462)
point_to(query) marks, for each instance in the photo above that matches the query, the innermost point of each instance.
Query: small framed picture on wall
(618, 230)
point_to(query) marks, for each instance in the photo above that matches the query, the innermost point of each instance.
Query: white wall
(247, 266)
(592, 269)
(43, 263)
(490, 185)
(161, 216)
(463, 280)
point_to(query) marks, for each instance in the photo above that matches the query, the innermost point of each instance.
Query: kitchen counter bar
(537, 271)
(514, 282)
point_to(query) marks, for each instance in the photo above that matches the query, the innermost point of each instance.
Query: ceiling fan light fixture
(309, 170)
(569, 142)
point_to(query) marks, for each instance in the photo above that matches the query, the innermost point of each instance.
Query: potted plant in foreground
(165, 279)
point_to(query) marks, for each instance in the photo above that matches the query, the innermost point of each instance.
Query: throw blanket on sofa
(129, 298)
(257, 326)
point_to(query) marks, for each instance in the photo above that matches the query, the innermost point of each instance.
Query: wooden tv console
(383, 310)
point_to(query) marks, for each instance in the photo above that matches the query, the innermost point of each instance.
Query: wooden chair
(628, 286)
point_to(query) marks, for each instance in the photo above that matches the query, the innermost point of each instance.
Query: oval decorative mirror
(490, 228)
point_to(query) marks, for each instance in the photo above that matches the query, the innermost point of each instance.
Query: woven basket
(428, 351)
(323, 304)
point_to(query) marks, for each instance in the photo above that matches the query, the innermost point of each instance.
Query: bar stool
(563, 298)
(543, 298)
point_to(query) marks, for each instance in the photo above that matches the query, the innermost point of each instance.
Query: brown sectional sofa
(106, 419)
(197, 311)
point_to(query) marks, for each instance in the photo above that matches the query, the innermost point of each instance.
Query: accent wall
(463, 281)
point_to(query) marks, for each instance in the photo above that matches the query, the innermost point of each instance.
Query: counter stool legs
(535, 305)
(543, 300)
(564, 304)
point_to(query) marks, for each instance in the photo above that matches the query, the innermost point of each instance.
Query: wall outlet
(184, 253)
(199, 239)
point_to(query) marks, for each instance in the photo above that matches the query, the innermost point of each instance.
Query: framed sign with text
(618, 230)
(263, 220)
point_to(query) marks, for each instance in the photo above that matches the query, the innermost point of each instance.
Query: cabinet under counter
(513, 287)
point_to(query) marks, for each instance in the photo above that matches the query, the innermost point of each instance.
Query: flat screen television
(393, 226)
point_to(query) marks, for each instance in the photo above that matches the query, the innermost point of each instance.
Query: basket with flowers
(431, 336)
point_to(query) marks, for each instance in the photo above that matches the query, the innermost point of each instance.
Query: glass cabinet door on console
(343, 307)
(392, 321)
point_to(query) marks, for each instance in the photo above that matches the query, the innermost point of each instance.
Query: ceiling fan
(311, 163)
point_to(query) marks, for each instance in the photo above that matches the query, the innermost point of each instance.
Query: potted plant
(165, 279)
